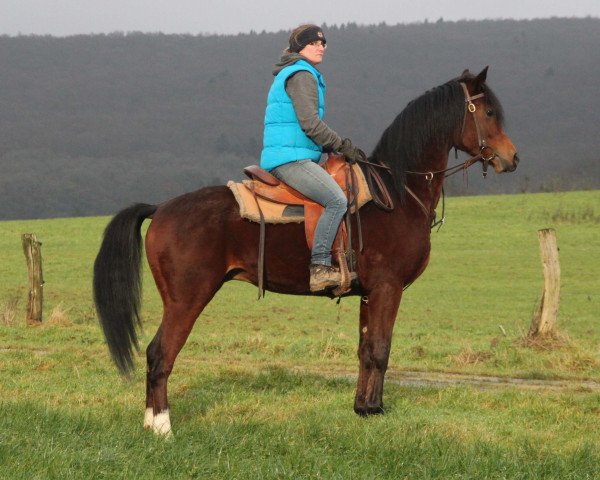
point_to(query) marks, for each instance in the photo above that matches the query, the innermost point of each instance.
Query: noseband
(470, 107)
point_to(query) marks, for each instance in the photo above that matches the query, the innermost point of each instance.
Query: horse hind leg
(153, 366)
(177, 323)
(160, 355)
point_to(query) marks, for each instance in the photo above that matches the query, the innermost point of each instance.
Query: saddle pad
(280, 213)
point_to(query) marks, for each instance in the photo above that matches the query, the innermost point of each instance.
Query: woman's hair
(303, 35)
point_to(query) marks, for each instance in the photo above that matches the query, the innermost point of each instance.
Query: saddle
(266, 199)
(266, 187)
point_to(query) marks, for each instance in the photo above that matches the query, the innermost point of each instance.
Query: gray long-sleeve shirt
(302, 89)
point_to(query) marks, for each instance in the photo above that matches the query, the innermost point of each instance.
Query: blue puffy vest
(284, 140)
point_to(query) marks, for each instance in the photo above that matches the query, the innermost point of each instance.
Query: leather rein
(379, 192)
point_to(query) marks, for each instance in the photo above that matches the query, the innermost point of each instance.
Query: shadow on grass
(277, 386)
(274, 385)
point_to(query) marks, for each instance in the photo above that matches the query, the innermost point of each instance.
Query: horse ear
(480, 79)
(465, 72)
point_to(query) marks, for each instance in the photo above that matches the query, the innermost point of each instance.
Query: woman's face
(314, 52)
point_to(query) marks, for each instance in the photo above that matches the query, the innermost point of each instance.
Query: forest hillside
(91, 124)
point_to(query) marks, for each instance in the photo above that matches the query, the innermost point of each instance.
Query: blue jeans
(314, 182)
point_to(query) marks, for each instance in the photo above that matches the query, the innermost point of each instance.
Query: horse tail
(117, 283)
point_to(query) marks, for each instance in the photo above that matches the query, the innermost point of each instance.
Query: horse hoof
(367, 410)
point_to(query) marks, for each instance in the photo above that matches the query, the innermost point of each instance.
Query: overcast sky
(69, 17)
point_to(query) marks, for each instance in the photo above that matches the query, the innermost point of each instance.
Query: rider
(295, 136)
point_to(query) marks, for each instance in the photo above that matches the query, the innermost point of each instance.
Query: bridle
(470, 107)
(486, 154)
(382, 198)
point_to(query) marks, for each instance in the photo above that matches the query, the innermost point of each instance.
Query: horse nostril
(516, 159)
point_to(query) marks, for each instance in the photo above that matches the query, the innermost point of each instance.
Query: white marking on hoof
(148, 418)
(162, 424)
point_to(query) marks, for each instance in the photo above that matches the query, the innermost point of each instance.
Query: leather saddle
(266, 186)
(266, 190)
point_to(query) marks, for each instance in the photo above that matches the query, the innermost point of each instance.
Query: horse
(197, 241)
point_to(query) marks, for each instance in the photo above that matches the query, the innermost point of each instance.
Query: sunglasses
(318, 43)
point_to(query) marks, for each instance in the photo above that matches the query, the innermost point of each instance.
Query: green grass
(261, 389)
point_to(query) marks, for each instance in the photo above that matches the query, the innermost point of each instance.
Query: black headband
(311, 34)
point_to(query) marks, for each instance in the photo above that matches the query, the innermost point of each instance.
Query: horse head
(482, 134)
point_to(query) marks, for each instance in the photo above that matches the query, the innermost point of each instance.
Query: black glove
(351, 152)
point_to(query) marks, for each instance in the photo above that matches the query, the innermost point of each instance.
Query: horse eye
(490, 112)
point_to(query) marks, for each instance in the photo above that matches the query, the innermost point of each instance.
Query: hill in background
(90, 124)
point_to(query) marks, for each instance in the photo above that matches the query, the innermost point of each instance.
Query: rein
(381, 195)
(386, 203)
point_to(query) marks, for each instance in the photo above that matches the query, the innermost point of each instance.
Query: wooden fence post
(33, 254)
(544, 319)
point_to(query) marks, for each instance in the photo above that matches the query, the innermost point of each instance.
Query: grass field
(264, 389)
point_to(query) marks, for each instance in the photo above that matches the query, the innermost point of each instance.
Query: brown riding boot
(323, 276)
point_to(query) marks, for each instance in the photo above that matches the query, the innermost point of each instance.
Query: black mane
(429, 120)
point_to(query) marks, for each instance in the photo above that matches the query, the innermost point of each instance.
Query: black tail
(118, 285)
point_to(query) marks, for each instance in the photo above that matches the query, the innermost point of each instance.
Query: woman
(295, 136)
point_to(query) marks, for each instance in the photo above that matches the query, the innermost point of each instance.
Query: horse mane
(427, 121)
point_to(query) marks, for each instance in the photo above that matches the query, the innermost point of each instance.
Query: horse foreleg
(377, 316)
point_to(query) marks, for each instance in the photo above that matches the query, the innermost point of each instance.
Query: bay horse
(198, 241)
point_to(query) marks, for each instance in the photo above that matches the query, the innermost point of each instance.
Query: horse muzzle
(512, 166)
(502, 164)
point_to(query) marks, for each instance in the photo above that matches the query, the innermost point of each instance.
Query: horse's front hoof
(366, 410)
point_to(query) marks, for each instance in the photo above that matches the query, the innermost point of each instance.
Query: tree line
(92, 123)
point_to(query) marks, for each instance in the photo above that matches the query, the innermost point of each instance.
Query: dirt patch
(451, 379)
(441, 380)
